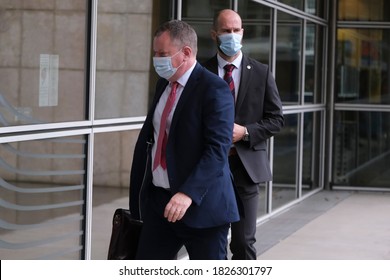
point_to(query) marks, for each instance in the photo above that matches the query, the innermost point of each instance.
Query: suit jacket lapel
(188, 89)
(246, 72)
(214, 65)
(162, 84)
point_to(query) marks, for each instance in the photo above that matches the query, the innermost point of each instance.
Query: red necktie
(229, 79)
(159, 158)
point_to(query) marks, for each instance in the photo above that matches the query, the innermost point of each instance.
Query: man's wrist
(246, 135)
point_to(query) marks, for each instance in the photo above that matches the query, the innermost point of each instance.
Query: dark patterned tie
(159, 158)
(229, 79)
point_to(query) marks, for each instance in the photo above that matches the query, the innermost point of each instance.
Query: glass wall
(123, 58)
(363, 10)
(288, 57)
(314, 7)
(125, 81)
(42, 198)
(362, 95)
(113, 152)
(362, 66)
(43, 86)
(76, 81)
(42, 62)
(362, 149)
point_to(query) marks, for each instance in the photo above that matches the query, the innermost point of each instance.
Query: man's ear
(213, 34)
(187, 51)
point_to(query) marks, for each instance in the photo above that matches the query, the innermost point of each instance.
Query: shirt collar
(184, 79)
(237, 62)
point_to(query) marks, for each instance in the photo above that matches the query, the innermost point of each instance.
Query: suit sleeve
(272, 120)
(217, 121)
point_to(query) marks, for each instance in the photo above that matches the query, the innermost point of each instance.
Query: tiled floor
(330, 225)
(327, 225)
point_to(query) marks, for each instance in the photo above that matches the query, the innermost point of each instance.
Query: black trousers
(244, 231)
(162, 240)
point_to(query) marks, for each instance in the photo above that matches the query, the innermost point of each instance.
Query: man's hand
(177, 207)
(238, 132)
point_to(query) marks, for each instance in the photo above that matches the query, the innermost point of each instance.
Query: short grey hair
(181, 33)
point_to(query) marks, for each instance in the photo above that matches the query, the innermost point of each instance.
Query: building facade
(76, 80)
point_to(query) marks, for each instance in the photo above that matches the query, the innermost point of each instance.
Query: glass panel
(285, 159)
(362, 149)
(113, 153)
(206, 46)
(124, 44)
(250, 11)
(298, 4)
(42, 62)
(288, 48)
(372, 10)
(257, 30)
(314, 63)
(363, 66)
(203, 8)
(257, 42)
(42, 186)
(315, 7)
(263, 201)
(311, 153)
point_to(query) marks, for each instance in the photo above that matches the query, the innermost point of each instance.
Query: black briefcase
(125, 236)
(125, 229)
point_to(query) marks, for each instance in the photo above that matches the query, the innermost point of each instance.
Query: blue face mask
(230, 43)
(163, 66)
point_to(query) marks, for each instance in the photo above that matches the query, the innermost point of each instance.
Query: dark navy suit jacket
(199, 139)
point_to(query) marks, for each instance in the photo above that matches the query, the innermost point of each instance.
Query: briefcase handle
(149, 143)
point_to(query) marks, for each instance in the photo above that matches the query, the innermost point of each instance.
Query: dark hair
(181, 33)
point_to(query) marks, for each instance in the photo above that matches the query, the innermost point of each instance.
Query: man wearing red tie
(187, 195)
(258, 116)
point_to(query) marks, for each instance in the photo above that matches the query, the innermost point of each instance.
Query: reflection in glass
(42, 62)
(311, 154)
(298, 4)
(42, 186)
(288, 58)
(310, 66)
(315, 7)
(313, 63)
(113, 153)
(371, 10)
(124, 45)
(262, 210)
(206, 46)
(257, 42)
(256, 20)
(362, 149)
(252, 11)
(285, 159)
(203, 8)
(363, 59)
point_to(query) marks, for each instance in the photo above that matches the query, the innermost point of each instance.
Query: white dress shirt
(160, 175)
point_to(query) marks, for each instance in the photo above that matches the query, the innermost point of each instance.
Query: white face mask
(163, 66)
(230, 43)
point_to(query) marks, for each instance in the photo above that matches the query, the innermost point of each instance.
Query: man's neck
(229, 58)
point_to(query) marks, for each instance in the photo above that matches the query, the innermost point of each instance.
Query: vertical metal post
(332, 38)
(92, 79)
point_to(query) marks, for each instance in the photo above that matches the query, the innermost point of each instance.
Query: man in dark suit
(258, 116)
(189, 189)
